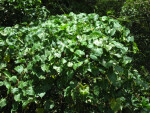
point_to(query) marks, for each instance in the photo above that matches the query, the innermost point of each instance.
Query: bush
(70, 63)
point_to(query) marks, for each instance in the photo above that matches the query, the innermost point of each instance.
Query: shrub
(70, 63)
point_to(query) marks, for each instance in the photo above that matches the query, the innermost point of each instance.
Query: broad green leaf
(84, 43)
(70, 64)
(90, 46)
(17, 97)
(19, 69)
(42, 94)
(127, 60)
(14, 90)
(49, 104)
(57, 68)
(13, 79)
(70, 74)
(22, 84)
(96, 90)
(2, 43)
(30, 91)
(45, 67)
(93, 57)
(76, 65)
(135, 48)
(119, 69)
(50, 57)
(98, 42)
(7, 84)
(58, 55)
(1, 83)
(3, 102)
(84, 90)
(98, 51)
(109, 47)
(112, 32)
(64, 61)
(7, 58)
(116, 104)
(107, 64)
(104, 18)
(25, 103)
(2, 65)
(79, 52)
(130, 39)
(117, 44)
(126, 32)
(112, 77)
(7, 74)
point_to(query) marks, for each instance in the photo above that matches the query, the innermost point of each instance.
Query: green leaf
(45, 67)
(1, 83)
(84, 90)
(57, 68)
(50, 57)
(117, 44)
(42, 94)
(98, 42)
(70, 74)
(17, 97)
(96, 90)
(84, 43)
(79, 52)
(70, 64)
(112, 77)
(49, 104)
(30, 91)
(116, 104)
(76, 65)
(130, 39)
(7, 58)
(127, 60)
(112, 32)
(3, 103)
(58, 55)
(13, 79)
(93, 57)
(25, 103)
(19, 69)
(98, 51)
(2, 65)
(7, 74)
(104, 18)
(7, 84)
(127, 32)
(64, 61)
(14, 90)
(119, 69)
(2, 43)
(22, 84)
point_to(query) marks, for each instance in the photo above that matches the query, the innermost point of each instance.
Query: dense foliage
(18, 11)
(137, 13)
(70, 63)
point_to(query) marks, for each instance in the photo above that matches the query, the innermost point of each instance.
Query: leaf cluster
(70, 63)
